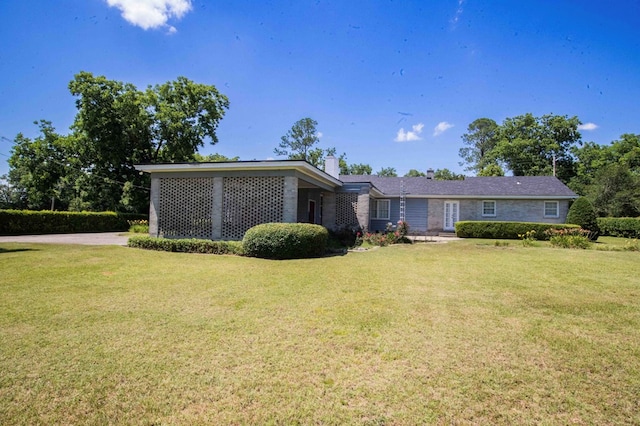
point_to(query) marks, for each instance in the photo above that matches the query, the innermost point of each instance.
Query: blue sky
(391, 83)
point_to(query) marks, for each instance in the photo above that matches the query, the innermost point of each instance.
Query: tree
(481, 138)
(44, 169)
(491, 170)
(299, 141)
(414, 173)
(531, 146)
(9, 196)
(446, 174)
(118, 125)
(387, 172)
(582, 213)
(214, 158)
(359, 169)
(615, 191)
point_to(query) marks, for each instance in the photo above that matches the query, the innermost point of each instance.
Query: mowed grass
(454, 333)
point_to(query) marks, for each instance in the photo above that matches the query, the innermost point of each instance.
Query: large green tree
(535, 146)
(480, 139)
(118, 126)
(299, 142)
(43, 171)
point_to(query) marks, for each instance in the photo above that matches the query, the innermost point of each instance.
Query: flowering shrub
(390, 236)
(569, 238)
(528, 238)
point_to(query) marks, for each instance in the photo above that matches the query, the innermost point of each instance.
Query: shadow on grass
(4, 250)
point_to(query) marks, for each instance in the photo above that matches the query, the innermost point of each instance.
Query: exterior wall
(415, 213)
(351, 207)
(513, 211)
(381, 224)
(304, 196)
(506, 210)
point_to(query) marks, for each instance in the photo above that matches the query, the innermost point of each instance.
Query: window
(489, 208)
(380, 209)
(551, 209)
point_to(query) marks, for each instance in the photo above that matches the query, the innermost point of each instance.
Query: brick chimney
(430, 173)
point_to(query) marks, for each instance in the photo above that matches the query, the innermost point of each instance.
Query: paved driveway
(94, 239)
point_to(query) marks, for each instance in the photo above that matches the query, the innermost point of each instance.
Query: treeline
(608, 175)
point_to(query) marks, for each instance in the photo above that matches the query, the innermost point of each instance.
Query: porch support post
(290, 207)
(329, 210)
(363, 208)
(154, 206)
(216, 212)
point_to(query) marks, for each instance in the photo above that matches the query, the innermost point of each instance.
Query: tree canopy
(387, 172)
(116, 126)
(480, 139)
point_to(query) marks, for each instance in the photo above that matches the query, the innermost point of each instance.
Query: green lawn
(452, 333)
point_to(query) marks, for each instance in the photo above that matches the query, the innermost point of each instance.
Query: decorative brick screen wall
(250, 201)
(185, 208)
(346, 208)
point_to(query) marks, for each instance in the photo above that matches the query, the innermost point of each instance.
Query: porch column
(329, 210)
(154, 206)
(290, 201)
(363, 208)
(216, 212)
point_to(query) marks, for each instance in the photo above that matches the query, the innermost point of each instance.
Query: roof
(300, 166)
(548, 187)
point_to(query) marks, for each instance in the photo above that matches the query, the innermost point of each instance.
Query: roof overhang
(493, 197)
(299, 166)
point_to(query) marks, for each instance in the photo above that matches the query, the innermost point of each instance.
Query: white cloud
(148, 14)
(442, 127)
(319, 135)
(588, 126)
(412, 135)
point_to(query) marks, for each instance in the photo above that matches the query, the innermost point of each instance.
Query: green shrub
(505, 230)
(285, 241)
(582, 213)
(138, 226)
(570, 238)
(627, 227)
(185, 245)
(24, 222)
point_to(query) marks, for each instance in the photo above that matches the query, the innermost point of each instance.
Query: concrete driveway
(93, 239)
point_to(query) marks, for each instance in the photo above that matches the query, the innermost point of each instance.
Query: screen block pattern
(186, 206)
(346, 208)
(250, 201)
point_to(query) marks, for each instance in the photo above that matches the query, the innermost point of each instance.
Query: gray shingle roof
(506, 186)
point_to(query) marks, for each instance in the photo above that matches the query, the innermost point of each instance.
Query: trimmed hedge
(505, 230)
(285, 241)
(627, 227)
(191, 245)
(24, 222)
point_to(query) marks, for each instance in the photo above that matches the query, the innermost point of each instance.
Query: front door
(451, 215)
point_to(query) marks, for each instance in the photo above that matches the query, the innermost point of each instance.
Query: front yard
(463, 332)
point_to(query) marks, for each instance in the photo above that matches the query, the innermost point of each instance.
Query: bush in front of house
(626, 227)
(285, 241)
(138, 226)
(582, 213)
(190, 245)
(24, 222)
(506, 230)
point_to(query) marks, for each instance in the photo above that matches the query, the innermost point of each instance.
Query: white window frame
(494, 208)
(376, 209)
(557, 212)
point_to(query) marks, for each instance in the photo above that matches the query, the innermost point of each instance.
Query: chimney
(430, 173)
(332, 166)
